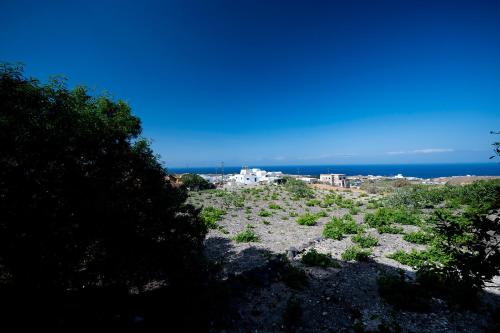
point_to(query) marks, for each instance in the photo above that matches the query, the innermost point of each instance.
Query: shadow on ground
(253, 290)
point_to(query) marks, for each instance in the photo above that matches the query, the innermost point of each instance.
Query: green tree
(195, 182)
(84, 202)
(298, 188)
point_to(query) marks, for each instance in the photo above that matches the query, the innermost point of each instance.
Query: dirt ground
(343, 299)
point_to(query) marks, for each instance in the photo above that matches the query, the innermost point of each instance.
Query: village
(341, 233)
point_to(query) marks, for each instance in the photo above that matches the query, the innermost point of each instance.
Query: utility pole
(222, 170)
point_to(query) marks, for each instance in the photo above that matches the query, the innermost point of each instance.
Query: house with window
(255, 176)
(335, 179)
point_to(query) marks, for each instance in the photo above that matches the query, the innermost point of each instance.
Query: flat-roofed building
(335, 179)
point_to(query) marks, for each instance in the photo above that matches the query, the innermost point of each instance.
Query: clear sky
(279, 82)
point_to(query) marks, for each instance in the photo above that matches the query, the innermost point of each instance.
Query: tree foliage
(195, 182)
(84, 201)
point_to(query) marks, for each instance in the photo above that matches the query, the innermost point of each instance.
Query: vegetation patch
(265, 213)
(355, 253)
(307, 219)
(418, 237)
(211, 215)
(246, 236)
(274, 206)
(336, 228)
(365, 241)
(314, 258)
(403, 295)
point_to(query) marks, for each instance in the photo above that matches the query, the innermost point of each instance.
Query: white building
(254, 176)
(335, 179)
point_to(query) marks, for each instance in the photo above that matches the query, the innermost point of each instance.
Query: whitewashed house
(254, 176)
(335, 179)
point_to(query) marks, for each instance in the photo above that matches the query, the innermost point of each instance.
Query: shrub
(298, 188)
(85, 209)
(465, 251)
(313, 202)
(389, 229)
(274, 206)
(265, 213)
(210, 215)
(355, 253)
(354, 211)
(337, 227)
(418, 237)
(418, 259)
(365, 241)
(321, 213)
(266, 222)
(195, 182)
(403, 295)
(307, 219)
(246, 236)
(293, 214)
(314, 258)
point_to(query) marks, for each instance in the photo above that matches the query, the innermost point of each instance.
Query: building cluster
(256, 176)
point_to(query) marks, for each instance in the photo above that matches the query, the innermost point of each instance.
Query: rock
(291, 252)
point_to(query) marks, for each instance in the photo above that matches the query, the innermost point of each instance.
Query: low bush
(314, 258)
(354, 211)
(307, 219)
(210, 215)
(246, 236)
(265, 213)
(338, 227)
(293, 214)
(403, 295)
(418, 259)
(274, 206)
(321, 213)
(365, 241)
(418, 237)
(389, 229)
(313, 202)
(355, 253)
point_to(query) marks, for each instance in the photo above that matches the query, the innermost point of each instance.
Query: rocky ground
(342, 299)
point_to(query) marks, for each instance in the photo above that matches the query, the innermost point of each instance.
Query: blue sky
(280, 82)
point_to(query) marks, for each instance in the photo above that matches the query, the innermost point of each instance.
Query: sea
(407, 170)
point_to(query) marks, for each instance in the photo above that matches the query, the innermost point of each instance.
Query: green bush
(365, 241)
(210, 215)
(313, 202)
(293, 214)
(274, 206)
(418, 259)
(389, 229)
(336, 228)
(418, 237)
(355, 253)
(314, 258)
(354, 211)
(307, 219)
(246, 236)
(298, 188)
(195, 182)
(86, 211)
(321, 213)
(403, 295)
(265, 213)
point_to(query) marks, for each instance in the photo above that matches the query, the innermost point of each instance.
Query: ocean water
(408, 170)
